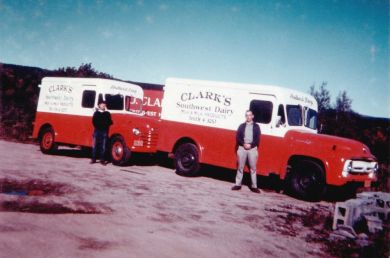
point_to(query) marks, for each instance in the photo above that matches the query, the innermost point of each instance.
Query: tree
(343, 103)
(84, 70)
(346, 119)
(322, 96)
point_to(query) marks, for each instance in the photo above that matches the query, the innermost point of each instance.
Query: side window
(294, 115)
(281, 114)
(88, 100)
(114, 102)
(262, 110)
(133, 104)
(311, 119)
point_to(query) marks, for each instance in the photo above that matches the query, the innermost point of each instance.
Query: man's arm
(94, 117)
(256, 136)
(109, 119)
(239, 137)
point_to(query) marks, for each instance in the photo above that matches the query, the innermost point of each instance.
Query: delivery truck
(198, 126)
(65, 109)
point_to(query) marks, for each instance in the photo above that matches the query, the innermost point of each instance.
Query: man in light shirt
(248, 139)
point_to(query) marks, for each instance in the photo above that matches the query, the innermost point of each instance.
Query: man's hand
(247, 146)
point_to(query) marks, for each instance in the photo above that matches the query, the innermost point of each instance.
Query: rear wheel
(187, 160)
(46, 141)
(120, 154)
(306, 180)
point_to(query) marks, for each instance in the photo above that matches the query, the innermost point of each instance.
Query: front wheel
(187, 160)
(120, 154)
(46, 141)
(306, 180)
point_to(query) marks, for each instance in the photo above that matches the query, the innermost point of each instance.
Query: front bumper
(360, 168)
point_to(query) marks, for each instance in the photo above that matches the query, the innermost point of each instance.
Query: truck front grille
(150, 139)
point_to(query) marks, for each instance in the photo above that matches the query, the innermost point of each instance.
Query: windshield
(114, 102)
(294, 115)
(311, 119)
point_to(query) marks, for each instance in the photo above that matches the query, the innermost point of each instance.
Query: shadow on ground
(267, 183)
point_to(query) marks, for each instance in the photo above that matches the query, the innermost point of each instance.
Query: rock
(374, 223)
(362, 236)
(343, 232)
(36, 193)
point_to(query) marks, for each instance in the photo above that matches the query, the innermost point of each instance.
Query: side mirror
(278, 121)
(322, 127)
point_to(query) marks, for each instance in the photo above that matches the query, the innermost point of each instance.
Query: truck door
(264, 108)
(88, 104)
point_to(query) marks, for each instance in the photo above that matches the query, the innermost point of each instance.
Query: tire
(306, 180)
(47, 141)
(187, 160)
(120, 154)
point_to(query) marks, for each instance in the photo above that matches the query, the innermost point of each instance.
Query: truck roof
(79, 79)
(280, 92)
(109, 86)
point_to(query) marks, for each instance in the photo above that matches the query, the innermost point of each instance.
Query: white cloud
(235, 9)
(106, 34)
(163, 7)
(31, 36)
(373, 51)
(42, 2)
(11, 41)
(37, 13)
(86, 59)
(80, 8)
(149, 19)
(123, 6)
(47, 24)
(372, 80)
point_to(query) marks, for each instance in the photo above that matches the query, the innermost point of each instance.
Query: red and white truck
(65, 109)
(199, 120)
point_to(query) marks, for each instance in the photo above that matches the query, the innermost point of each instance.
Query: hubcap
(307, 180)
(187, 160)
(47, 140)
(117, 151)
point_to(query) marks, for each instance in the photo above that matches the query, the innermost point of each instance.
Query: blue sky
(289, 43)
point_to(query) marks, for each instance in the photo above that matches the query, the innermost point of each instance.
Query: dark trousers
(99, 144)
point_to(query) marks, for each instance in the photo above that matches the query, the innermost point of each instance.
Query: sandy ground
(141, 211)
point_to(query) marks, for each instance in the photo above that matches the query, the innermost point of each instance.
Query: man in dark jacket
(101, 121)
(248, 139)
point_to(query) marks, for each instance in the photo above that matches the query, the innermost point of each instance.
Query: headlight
(376, 168)
(349, 167)
(136, 131)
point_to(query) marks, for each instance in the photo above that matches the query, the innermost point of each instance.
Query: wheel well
(181, 141)
(43, 127)
(115, 135)
(297, 158)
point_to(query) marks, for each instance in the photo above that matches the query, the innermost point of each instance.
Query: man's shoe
(255, 190)
(103, 162)
(236, 188)
(92, 161)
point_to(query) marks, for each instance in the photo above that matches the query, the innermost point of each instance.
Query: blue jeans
(99, 144)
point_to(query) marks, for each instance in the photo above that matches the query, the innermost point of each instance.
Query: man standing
(101, 121)
(248, 138)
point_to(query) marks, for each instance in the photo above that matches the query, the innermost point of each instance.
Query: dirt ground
(62, 206)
